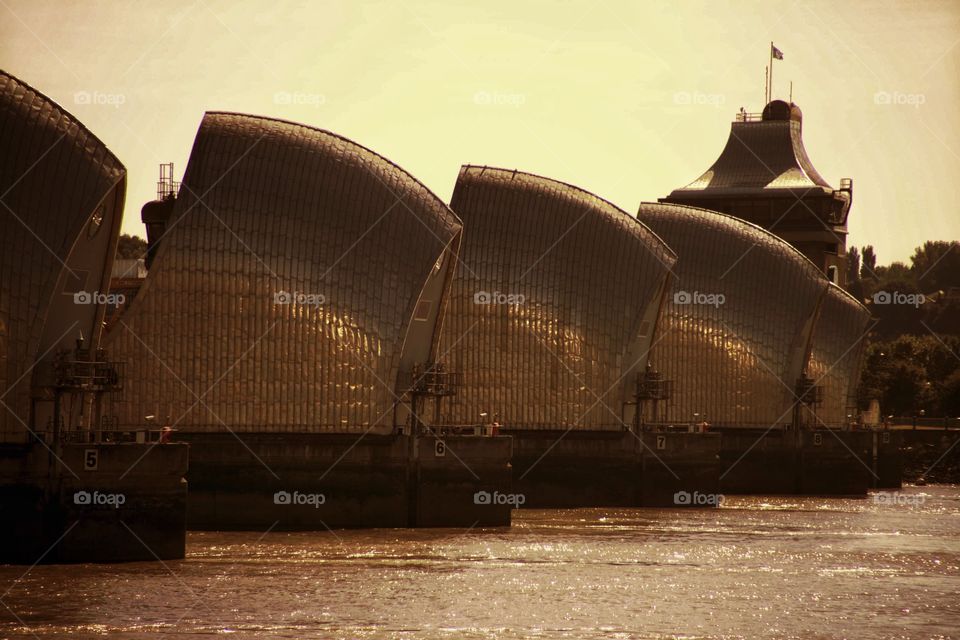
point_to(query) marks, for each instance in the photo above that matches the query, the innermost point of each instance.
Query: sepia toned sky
(626, 99)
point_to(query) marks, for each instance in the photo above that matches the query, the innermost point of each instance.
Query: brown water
(756, 568)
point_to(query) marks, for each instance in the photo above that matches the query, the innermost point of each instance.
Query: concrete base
(558, 469)
(680, 470)
(329, 481)
(470, 485)
(887, 459)
(104, 503)
(820, 462)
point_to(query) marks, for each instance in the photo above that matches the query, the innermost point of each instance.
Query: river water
(755, 568)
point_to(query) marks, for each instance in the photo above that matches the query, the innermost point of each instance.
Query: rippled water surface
(756, 568)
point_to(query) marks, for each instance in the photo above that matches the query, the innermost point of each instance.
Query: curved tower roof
(296, 278)
(735, 333)
(61, 200)
(761, 155)
(554, 305)
(836, 356)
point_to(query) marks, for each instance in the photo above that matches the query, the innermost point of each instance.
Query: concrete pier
(817, 462)
(106, 502)
(329, 481)
(887, 454)
(558, 469)
(463, 481)
(679, 469)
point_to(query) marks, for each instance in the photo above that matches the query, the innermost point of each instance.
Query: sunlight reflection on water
(758, 567)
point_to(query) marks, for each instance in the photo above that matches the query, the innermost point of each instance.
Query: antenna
(791, 92)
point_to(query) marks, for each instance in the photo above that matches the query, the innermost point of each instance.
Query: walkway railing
(923, 422)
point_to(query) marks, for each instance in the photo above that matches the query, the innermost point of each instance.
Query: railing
(483, 430)
(167, 187)
(808, 393)
(431, 380)
(678, 427)
(650, 388)
(88, 375)
(923, 422)
(97, 436)
(743, 116)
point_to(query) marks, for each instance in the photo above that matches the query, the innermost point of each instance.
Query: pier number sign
(661, 442)
(91, 459)
(439, 448)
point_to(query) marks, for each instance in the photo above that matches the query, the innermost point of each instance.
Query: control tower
(764, 176)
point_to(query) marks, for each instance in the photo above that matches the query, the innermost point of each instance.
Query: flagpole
(766, 84)
(770, 84)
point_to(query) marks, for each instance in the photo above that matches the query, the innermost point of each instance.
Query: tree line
(912, 363)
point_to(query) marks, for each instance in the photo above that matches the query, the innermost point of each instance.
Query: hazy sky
(626, 99)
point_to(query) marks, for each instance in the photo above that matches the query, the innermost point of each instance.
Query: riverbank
(931, 455)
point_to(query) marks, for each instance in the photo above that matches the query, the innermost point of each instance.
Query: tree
(853, 265)
(869, 264)
(131, 246)
(912, 363)
(894, 272)
(950, 395)
(912, 373)
(936, 265)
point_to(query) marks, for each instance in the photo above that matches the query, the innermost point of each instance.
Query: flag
(775, 53)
